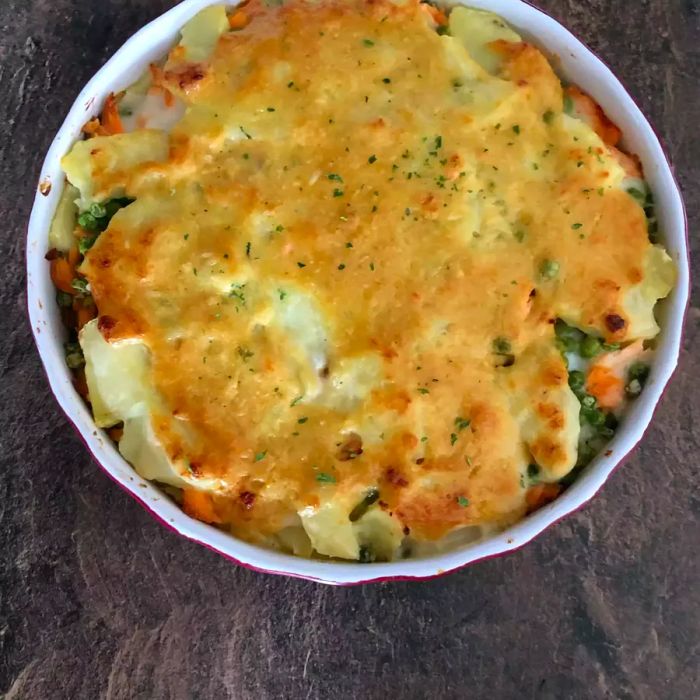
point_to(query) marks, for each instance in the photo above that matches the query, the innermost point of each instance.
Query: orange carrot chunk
(62, 275)
(85, 314)
(116, 432)
(540, 495)
(629, 163)
(238, 20)
(200, 505)
(74, 256)
(591, 112)
(111, 121)
(607, 387)
(436, 14)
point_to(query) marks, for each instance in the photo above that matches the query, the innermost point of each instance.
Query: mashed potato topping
(357, 249)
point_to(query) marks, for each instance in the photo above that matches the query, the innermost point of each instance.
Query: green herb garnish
(371, 496)
(462, 423)
(501, 346)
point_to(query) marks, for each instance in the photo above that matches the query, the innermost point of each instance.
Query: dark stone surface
(97, 600)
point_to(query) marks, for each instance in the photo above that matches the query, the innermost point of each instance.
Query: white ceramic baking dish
(578, 65)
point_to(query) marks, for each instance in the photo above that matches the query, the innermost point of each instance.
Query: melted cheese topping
(347, 265)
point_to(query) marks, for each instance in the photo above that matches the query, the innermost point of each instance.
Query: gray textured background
(97, 600)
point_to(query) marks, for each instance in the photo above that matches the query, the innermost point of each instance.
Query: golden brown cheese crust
(347, 153)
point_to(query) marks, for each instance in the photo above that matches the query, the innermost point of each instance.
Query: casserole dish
(658, 175)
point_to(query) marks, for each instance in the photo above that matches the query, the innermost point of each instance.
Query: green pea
(588, 401)
(80, 285)
(97, 210)
(640, 371)
(577, 381)
(637, 194)
(85, 243)
(64, 300)
(568, 338)
(633, 388)
(592, 416)
(87, 221)
(591, 346)
(74, 355)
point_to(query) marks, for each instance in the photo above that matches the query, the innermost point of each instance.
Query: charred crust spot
(508, 361)
(192, 74)
(52, 254)
(324, 372)
(409, 441)
(547, 452)
(350, 449)
(614, 323)
(635, 276)
(395, 478)
(106, 324)
(430, 203)
(194, 467)
(554, 375)
(420, 460)
(247, 499)
(556, 420)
